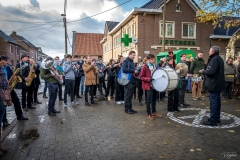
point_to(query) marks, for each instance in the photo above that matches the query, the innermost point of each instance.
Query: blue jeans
(2, 114)
(45, 88)
(53, 91)
(82, 84)
(215, 105)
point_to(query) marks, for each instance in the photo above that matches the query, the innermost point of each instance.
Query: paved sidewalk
(105, 131)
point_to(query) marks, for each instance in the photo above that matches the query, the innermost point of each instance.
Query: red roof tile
(88, 44)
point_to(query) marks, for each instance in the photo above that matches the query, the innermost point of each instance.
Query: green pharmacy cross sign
(126, 40)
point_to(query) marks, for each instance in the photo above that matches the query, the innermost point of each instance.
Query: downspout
(112, 46)
(120, 40)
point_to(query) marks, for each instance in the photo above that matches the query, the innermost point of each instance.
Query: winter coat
(214, 74)
(229, 72)
(90, 74)
(145, 76)
(128, 66)
(68, 71)
(196, 65)
(116, 70)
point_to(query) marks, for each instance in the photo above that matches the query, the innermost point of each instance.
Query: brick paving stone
(104, 131)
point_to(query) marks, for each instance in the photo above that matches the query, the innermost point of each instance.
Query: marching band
(154, 81)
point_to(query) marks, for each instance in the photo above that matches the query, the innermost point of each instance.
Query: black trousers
(27, 95)
(88, 89)
(95, 90)
(128, 94)
(102, 85)
(35, 94)
(69, 87)
(173, 99)
(59, 91)
(183, 85)
(140, 90)
(77, 85)
(110, 85)
(119, 91)
(151, 101)
(17, 106)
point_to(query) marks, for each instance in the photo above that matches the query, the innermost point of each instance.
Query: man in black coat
(25, 69)
(128, 66)
(36, 80)
(214, 84)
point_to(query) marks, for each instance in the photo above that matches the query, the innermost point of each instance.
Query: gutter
(220, 37)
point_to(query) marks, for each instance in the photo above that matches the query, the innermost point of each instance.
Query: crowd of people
(85, 76)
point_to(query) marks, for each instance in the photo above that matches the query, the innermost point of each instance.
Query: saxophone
(31, 76)
(12, 83)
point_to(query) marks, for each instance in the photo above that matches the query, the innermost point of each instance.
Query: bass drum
(165, 79)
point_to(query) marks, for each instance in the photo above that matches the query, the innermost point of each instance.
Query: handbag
(124, 78)
(6, 96)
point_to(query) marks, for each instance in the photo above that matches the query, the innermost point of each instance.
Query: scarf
(3, 80)
(151, 67)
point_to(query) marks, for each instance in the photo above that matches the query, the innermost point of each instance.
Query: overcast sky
(50, 34)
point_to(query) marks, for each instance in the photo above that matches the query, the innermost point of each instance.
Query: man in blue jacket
(128, 66)
(214, 83)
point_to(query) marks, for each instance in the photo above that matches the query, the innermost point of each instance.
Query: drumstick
(160, 77)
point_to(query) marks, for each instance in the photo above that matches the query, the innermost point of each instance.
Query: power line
(28, 22)
(45, 31)
(100, 12)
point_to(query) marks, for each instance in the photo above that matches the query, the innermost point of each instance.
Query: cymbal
(184, 68)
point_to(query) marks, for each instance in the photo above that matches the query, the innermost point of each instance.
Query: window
(134, 29)
(188, 30)
(129, 31)
(11, 49)
(33, 54)
(169, 29)
(110, 45)
(17, 51)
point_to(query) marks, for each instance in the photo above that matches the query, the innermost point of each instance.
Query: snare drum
(165, 79)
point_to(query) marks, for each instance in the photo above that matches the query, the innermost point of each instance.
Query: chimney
(14, 33)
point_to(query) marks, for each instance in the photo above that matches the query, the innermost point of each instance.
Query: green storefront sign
(179, 42)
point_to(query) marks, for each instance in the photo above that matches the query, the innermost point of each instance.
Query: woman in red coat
(146, 77)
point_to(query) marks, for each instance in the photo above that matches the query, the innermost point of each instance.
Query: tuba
(12, 83)
(31, 76)
(48, 64)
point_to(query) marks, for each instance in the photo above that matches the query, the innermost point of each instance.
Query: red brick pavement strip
(104, 131)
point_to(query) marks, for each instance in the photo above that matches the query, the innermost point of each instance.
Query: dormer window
(178, 6)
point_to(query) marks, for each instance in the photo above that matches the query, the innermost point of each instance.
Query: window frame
(17, 50)
(195, 29)
(11, 49)
(173, 28)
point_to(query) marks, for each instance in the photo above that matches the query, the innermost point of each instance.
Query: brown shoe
(157, 115)
(150, 117)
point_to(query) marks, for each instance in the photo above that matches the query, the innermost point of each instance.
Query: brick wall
(3, 47)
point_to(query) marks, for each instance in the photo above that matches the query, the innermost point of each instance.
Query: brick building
(145, 26)
(10, 48)
(87, 44)
(27, 47)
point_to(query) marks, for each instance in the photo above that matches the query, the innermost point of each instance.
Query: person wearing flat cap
(26, 90)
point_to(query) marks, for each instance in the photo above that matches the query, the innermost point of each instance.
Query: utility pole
(65, 25)
(164, 27)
